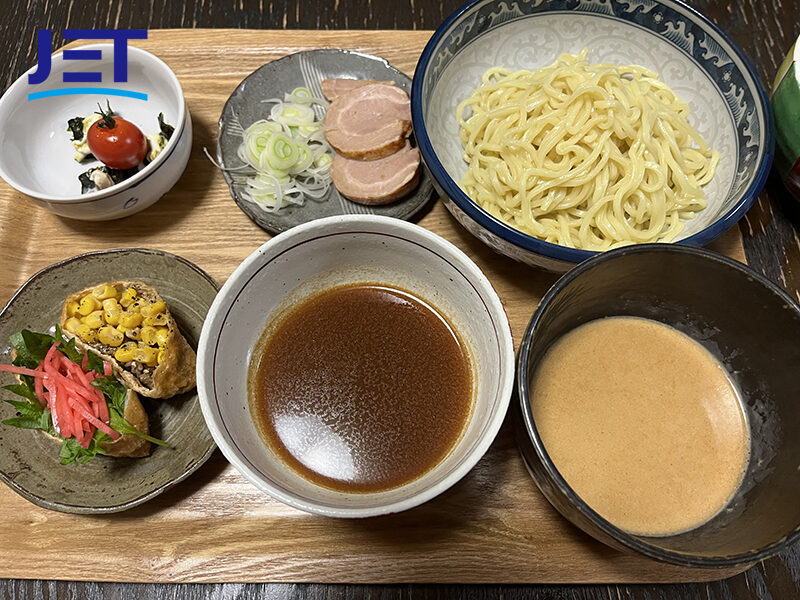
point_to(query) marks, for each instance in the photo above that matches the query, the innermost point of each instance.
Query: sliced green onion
(279, 155)
(289, 153)
(300, 95)
(306, 130)
(323, 160)
(290, 114)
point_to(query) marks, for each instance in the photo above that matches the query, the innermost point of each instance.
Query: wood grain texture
(765, 30)
(195, 532)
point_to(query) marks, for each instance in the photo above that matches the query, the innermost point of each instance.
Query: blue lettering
(120, 37)
(87, 77)
(44, 41)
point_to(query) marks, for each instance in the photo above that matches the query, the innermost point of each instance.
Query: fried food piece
(129, 444)
(128, 324)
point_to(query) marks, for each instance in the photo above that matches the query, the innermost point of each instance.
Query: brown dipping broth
(360, 388)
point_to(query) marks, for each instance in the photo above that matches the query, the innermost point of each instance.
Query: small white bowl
(37, 150)
(332, 251)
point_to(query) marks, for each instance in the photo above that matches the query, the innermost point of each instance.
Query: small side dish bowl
(692, 55)
(37, 159)
(753, 334)
(338, 250)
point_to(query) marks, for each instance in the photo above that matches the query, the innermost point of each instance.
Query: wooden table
(764, 29)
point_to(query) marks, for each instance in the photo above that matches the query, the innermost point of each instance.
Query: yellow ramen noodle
(590, 156)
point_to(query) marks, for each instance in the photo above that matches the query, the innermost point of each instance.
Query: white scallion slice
(289, 153)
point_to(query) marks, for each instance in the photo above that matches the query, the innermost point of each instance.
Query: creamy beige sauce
(643, 423)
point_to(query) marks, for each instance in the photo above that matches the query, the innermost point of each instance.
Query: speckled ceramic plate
(304, 69)
(29, 461)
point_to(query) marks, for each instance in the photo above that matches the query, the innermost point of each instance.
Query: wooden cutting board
(493, 526)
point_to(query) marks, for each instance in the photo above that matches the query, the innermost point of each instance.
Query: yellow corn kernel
(128, 297)
(130, 319)
(153, 309)
(162, 333)
(86, 333)
(161, 354)
(72, 309)
(135, 333)
(125, 352)
(94, 319)
(72, 324)
(88, 304)
(146, 355)
(101, 292)
(149, 335)
(110, 336)
(111, 303)
(137, 305)
(111, 311)
(159, 320)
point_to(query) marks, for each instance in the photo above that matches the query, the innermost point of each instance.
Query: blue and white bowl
(692, 55)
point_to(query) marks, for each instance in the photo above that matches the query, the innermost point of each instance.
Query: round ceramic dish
(754, 334)
(337, 250)
(29, 462)
(692, 55)
(38, 156)
(304, 69)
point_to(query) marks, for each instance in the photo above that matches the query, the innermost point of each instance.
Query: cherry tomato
(116, 142)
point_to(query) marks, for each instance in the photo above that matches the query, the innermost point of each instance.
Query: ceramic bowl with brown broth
(355, 366)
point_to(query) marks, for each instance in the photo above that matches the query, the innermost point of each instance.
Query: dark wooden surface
(764, 28)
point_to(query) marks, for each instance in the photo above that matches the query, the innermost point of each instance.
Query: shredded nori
(76, 127)
(87, 185)
(166, 129)
(116, 175)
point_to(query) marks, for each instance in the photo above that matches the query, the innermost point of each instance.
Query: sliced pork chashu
(331, 88)
(377, 181)
(369, 122)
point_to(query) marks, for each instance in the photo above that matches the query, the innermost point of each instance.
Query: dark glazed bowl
(745, 321)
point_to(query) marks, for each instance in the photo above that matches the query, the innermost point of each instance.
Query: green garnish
(115, 394)
(107, 116)
(31, 348)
